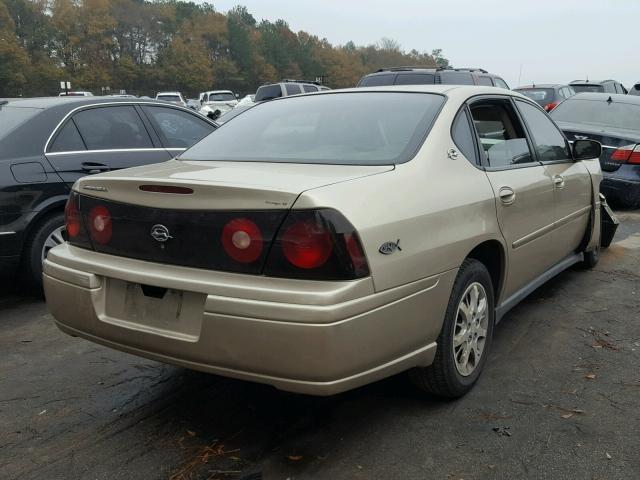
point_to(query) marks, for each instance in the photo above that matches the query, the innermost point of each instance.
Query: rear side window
(268, 92)
(68, 140)
(416, 79)
(292, 89)
(485, 81)
(106, 128)
(549, 142)
(177, 129)
(500, 83)
(377, 80)
(588, 88)
(309, 88)
(339, 129)
(463, 137)
(456, 78)
(501, 134)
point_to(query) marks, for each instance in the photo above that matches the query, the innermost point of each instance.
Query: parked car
(598, 86)
(172, 97)
(46, 144)
(547, 96)
(77, 93)
(332, 246)
(225, 117)
(635, 90)
(222, 100)
(247, 100)
(613, 120)
(285, 89)
(431, 76)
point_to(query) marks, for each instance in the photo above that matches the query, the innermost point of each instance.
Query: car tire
(446, 376)
(42, 234)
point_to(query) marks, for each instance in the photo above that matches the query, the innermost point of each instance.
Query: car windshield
(221, 97)
(601, 113)
(341, 129)
(540, 95)
(12, 117)
(169, 98)
(588, 88)
(268, 92)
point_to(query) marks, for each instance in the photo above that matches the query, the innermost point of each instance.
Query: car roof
(542, 85)
(48, 102)
(218, 91)
(603, 97)
(442, 89)
(589, 82)
(168, 93)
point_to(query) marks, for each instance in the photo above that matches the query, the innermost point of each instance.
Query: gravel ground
(559, 398)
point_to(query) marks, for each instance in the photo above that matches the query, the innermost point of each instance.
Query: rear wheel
(465, 338)
(46, 235)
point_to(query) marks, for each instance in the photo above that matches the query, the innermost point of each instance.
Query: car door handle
(91, 167)
(507, 195)
(558, 181)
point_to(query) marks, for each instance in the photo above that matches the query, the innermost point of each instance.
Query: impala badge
(160, 233)
(387, 248)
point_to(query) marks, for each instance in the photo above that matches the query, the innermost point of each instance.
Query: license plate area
(162, 311)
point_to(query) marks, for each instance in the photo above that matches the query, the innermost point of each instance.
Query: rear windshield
(169, 98)
(368, 128)
(615, 115)
(12, 117)
(221, 97)
(588, 88)
(268, 92)
(541, 95)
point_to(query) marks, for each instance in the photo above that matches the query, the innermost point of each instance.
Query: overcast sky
(554, 41)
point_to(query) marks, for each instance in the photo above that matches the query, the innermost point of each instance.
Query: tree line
(145, 46)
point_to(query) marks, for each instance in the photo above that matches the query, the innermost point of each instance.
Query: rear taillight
(627, 154)
(100, 225)
(242, 240)
(317, 244)
(550, 106)
(72, 217)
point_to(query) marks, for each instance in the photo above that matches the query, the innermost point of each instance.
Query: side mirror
(586, 149)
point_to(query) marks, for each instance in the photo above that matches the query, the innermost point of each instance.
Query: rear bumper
(621, 190)
(309, 337)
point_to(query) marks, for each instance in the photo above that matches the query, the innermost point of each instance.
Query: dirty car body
(333, 246)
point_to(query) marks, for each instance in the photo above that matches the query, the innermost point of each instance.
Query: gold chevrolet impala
(320, 242)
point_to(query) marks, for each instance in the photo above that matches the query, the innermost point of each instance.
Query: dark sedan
(614, 121)
(46, 144)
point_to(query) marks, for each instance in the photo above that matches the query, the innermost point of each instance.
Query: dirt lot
(559, 398)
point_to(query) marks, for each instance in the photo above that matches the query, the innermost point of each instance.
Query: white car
(172, 97)
(223, 100)
(247, 100)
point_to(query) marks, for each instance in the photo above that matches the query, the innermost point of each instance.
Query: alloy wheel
(470, 330)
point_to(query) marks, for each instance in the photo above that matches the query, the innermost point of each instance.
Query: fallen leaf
(608, 456)
(567, 415)
(590, 376)
(43, 412)
(295, 458)
(191, 433)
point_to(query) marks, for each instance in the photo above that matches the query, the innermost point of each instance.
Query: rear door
(571, 181)
(523, 189)
(100, 139)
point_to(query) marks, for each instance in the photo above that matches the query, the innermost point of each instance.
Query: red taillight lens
(635, 156)
(100, 225)
(317, 244)
(72, 217)
(623, 154)
(242, 240)
(306, 244)
(550, 106)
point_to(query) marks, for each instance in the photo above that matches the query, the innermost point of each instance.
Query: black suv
(431, 76)
(598, 86)
(46, 144)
